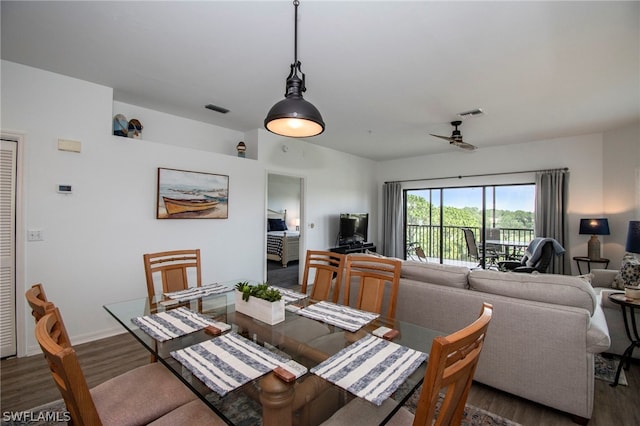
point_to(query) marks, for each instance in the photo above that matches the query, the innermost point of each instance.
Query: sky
(515, 197)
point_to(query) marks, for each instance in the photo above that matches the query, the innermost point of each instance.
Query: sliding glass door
(473, 226)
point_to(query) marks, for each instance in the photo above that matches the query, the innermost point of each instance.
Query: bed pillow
(277, 225)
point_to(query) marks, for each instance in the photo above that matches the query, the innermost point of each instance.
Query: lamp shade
(294, 117)
(633, 237)
(594, 226)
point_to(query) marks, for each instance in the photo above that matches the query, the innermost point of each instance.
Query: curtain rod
(564, 169)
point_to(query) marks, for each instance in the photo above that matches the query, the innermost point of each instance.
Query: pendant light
(293, 116)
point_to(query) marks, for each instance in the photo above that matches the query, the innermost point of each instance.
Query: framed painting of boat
(192, 195)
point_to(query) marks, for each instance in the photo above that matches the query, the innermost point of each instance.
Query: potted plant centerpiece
(260, 302)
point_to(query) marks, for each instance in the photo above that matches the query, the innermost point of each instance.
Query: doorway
(285, 200)
(8, 193)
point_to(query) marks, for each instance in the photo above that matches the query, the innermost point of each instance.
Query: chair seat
(139, 396)
(360, 412)
(192, 413)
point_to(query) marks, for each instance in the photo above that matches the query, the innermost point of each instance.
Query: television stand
(353, 248)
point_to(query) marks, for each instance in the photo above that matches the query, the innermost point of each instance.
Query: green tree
(418, 210)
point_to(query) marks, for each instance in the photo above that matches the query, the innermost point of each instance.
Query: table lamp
(633, 237)
(594, 227)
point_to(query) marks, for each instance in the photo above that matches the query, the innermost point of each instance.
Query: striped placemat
(371, 368)
(288, 295)
(345, 317)
(228, 362)
(174, 323)
(195, 292)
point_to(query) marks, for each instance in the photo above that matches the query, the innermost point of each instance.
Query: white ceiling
(384, 74)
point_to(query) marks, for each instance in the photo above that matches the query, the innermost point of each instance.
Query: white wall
(621, 154)
(94, 239)
(581, 154)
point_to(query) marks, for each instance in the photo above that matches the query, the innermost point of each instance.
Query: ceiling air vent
(216, 108)
(473, 113)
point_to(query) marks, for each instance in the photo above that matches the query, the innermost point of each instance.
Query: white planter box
(262, 310)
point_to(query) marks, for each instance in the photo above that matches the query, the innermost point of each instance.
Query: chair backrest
(493, 234)
(328, 268)
(38, 302)
(472, 246)
(452, 363)
(545, 258)
(173, 267)
(422, 257)
(65, 369)
(373, 275)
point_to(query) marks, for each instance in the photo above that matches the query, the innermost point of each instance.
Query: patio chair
(475, 252)
(417, 250)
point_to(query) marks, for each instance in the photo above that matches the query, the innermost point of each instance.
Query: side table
(589, 261)
(627, 305)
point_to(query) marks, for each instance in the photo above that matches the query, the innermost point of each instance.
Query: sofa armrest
(603, 277)
(604, 298)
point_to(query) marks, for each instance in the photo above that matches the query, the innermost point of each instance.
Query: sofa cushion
(548, 288)
(435, 273)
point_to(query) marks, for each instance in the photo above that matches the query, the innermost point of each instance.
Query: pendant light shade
(293, 116)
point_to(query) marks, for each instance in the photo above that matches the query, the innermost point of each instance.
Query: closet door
(8, 156)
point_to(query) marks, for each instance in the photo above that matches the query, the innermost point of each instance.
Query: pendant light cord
(296, 3)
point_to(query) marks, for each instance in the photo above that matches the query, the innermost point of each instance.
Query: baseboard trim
(83, 338)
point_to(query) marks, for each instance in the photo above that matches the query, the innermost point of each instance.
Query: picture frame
(183, 194)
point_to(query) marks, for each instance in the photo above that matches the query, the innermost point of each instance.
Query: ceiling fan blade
(465, 145)
(446, 138)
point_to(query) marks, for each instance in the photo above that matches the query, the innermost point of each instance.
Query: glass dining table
(307, 400)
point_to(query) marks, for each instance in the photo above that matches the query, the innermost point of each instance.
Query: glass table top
(306, 341)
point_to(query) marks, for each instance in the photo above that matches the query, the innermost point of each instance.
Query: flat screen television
(353, 228)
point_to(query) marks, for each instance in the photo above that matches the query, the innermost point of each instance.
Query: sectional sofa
(602, 282)
(542, 338)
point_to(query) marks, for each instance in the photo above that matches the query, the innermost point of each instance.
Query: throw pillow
(277, 225)
(629, 274)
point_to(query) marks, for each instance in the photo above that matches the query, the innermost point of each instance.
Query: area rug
(605, 369)
(472, 416)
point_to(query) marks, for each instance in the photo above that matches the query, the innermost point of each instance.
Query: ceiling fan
(456, 138)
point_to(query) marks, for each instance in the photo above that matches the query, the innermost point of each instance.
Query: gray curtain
(551, 213)
(393, 220)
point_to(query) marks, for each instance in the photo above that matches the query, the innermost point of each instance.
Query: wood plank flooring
(26, 383)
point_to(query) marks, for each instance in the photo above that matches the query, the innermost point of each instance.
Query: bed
(283, 245)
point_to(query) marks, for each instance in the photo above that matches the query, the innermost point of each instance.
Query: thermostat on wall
(65, 189)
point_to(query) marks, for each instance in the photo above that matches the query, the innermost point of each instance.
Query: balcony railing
(450, 241)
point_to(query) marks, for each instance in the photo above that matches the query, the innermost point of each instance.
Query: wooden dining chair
(139, 396)
(174, 268)
(38, 301)
(374, 277)
(451, 365)
(327, 268)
